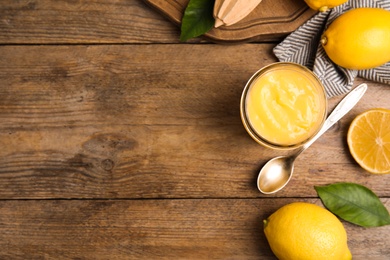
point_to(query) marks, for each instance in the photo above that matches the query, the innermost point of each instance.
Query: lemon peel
(324, 5)
(303, 230)
(359, 38)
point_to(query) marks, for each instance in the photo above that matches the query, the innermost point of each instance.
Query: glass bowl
(283, 105)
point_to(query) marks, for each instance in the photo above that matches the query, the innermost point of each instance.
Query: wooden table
(119, 142)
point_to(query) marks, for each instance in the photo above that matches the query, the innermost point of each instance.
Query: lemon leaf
(197, 19)
(354, 203)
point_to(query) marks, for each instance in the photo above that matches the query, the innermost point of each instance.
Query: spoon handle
(345, 105)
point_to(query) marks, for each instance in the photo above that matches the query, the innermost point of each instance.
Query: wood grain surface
(121, 121)
(119, 142)
(81, 22)
(154, 229)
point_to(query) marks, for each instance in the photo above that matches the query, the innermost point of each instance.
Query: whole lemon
(306, 231)
(323, 5)
(359, 38)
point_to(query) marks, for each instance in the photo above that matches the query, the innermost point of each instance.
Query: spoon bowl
(277, 172)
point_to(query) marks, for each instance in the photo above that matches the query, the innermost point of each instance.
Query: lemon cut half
(369, 140)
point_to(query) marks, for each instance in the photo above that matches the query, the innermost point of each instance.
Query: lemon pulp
(369, 140)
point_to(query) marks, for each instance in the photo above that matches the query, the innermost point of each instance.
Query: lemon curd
(283, 105)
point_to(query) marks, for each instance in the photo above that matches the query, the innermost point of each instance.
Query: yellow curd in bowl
(283, 105)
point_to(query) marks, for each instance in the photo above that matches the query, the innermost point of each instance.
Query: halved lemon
(369, 140)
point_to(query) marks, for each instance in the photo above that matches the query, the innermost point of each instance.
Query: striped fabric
(302, 46)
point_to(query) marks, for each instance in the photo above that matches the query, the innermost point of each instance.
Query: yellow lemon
(306, 231)
(369, 140)
(323, 5)
(359, 38)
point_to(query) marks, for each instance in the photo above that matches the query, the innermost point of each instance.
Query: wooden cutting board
(270, 21)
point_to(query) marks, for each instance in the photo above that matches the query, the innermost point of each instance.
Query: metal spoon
(277, 172)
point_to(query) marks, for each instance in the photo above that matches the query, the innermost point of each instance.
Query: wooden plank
(271, 20)
(77, 22)
(155, 229)
(148, 121)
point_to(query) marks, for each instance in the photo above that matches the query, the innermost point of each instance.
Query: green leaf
(354, 203)
(197, 19)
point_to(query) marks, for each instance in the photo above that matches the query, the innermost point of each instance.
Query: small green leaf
(197, 19)
(354, 203)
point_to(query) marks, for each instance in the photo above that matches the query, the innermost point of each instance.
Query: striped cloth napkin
(302, 46)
